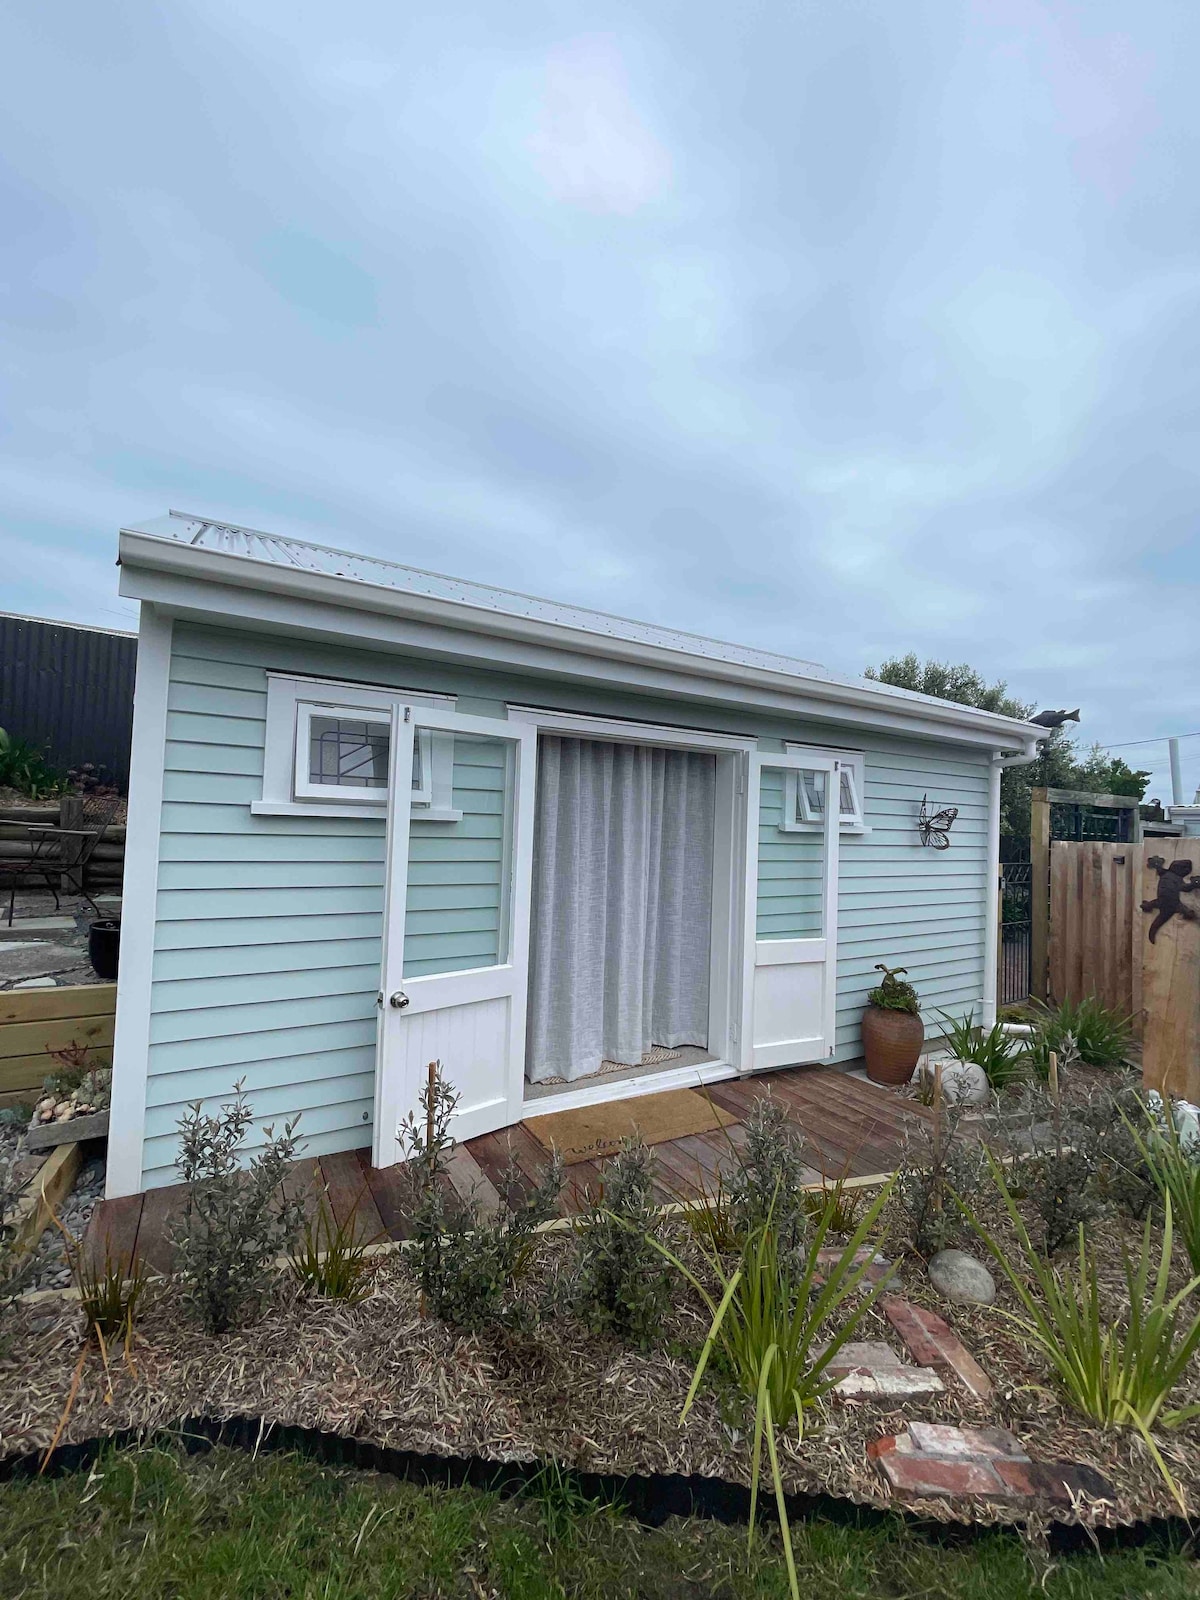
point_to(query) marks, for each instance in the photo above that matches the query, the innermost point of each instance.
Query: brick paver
(933, 1343)
(936, 1460)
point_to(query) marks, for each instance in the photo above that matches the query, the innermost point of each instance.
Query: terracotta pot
(892, 1043)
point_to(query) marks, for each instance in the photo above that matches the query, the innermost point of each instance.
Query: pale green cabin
(380, 817)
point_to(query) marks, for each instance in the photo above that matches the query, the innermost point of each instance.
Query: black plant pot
(104, 947)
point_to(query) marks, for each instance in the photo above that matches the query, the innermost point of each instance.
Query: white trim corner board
(131, 1042)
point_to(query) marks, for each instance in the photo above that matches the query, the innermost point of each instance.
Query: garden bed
(380, 1372)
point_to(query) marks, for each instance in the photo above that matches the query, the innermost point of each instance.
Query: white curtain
(622, 903)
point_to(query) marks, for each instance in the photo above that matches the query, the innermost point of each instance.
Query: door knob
(398, 1000)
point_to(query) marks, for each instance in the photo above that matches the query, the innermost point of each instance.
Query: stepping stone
(23, 927)
(871, 1368)
(934, 1460)
(36, 983)
(932, 1341)
(879, 1269)
(36, 958)
(939, 1438)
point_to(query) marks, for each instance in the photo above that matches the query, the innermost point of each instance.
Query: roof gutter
(152, 554)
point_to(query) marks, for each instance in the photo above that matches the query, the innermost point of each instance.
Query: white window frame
(796, 818)
(288, 790)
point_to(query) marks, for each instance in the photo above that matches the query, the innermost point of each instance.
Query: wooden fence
(1171, 968)
(1099, 944)
(1073, 810)
(33, 1022)
(1096, 933)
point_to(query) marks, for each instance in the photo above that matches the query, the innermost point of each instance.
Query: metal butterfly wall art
(934, 827)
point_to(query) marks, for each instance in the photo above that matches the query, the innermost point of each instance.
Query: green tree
(1057, 767)
(962, 684)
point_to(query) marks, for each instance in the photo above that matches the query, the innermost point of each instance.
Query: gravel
(50, 1270)
(50, 1262)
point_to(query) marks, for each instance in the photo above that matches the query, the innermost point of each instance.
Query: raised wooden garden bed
(44, 1192)
(33, 1022)
(46, 1135)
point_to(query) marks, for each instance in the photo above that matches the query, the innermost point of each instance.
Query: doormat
(656, 1054)
(589, 1133)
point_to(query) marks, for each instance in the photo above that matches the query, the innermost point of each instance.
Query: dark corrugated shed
(70, 690)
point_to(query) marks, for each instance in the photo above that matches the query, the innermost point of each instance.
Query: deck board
(851, 1125)
(860, 1147)
(303, 1184)
(388, 1192)
(349, 1194)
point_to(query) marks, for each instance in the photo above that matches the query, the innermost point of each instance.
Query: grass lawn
(154, 1523)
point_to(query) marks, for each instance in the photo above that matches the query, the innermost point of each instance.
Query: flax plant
(109, 1297)
(1173, 1163)
(330, 1258)
(766, 1329)
(1002, 1058)
(1118, 1373)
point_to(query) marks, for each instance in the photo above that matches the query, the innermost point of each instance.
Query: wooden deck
(852, 1127)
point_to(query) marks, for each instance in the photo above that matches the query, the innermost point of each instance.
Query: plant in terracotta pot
(892, 1030)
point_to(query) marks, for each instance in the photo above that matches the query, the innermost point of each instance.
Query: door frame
(733, 752)
(397, 1089)
(798, 761)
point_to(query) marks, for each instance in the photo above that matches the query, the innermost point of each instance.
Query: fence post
(1170, 995)
(1039, 892)
(70, 815)
(1137, 929)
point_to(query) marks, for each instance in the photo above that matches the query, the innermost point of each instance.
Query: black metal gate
(1074, 821)
(1016, 924)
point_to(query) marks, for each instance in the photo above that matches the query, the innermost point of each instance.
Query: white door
(790, 940)
(456, 926)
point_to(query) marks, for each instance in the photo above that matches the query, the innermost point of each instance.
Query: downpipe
(991, 932)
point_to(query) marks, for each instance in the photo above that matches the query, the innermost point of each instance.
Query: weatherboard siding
(268, 931)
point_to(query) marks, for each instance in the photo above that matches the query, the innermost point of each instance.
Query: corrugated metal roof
(251, 544)
(59, 622)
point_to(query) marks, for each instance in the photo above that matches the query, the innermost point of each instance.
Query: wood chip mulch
(378, 1371)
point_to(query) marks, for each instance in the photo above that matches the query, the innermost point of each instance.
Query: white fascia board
(211, 586)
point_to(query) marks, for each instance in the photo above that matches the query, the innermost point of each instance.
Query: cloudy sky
(843, 327)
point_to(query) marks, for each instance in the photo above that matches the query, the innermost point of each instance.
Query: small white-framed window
(804, 795)
(327, 752)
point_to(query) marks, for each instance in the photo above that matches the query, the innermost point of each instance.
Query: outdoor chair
(59, 856)
(44, 861)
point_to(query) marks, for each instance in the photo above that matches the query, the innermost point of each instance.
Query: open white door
(456, 927)
(790, 940)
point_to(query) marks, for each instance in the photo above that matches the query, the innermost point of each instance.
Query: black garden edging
(651, 1498)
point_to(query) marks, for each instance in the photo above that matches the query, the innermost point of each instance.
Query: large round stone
(961, 1277)
(965, 1083)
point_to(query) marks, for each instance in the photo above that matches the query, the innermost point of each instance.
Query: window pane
(350, 754)
(790, 865)
(812, 791)
(457, 872)
(418, 765)
(848, 807)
